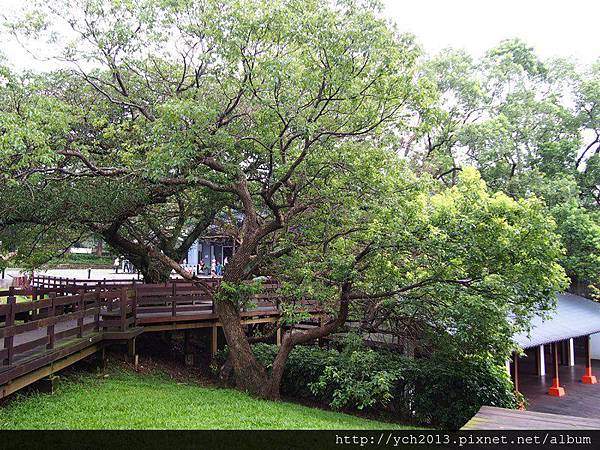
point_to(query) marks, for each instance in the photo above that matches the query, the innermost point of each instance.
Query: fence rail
(53, 309)
(53, 315)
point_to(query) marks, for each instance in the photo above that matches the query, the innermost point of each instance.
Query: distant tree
(528, 125)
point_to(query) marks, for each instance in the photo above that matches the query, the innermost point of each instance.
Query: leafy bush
(83, 259)
(432, 391)
(304, 366)
(448, 393)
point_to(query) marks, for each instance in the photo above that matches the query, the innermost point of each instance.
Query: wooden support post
(588, 378)
(34, 297)
(131, 347)
(279, 337)
(99, 306)
(134, 305)
(47, 385)
(214, 342)
(9, 321)
(541, 361)
(187, 348)
(556, 390)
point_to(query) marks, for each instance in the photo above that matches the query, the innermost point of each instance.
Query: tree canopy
(325, 143)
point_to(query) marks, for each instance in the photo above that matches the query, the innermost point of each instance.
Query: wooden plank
(31, 306)
(45, 322)
(40, 360)
(22, 348)
(492, 418)
(31, 377)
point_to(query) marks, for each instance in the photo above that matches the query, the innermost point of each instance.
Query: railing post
(50, 328)
(123, 301)
(173, 301)
(99, 306)
(34, 297)
(134, 305)
(81, 307)
(9, 322)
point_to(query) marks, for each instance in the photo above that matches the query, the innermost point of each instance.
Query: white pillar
(508, 366)
(541, 360)
(571, 349)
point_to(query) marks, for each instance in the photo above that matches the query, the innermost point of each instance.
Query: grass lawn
(127, 400)
(20, 299)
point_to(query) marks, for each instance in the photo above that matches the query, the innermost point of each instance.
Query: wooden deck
(581, 400)
(491, 418)
(64, 322)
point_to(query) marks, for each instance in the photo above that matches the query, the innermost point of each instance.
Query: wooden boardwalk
(491, 418)
(67, 320)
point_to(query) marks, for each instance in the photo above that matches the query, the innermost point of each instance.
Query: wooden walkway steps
(492, 418)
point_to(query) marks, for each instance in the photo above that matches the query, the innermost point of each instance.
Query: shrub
(449, 393)
(432, 391)
(304, 366)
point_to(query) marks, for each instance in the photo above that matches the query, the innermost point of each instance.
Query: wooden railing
(124, 304)
(80, 313)
(177, 296)
(52, 282)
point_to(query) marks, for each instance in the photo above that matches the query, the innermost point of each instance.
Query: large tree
(282, 115)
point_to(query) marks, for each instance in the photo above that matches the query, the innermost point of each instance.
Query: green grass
(127, 400)
(20, 299)
(82, 260)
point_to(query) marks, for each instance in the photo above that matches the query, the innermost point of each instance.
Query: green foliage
(449, 392)
(83, 260)
(513, 116)
(437, 391)
(239, 293)
(355, 380)
(580, 229)
(304, 365)
(459, 258)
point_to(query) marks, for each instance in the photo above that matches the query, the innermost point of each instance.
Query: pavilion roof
(574, 316)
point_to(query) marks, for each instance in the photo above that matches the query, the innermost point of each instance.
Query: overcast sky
(552, 27)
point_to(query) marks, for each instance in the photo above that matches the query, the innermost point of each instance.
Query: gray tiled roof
(574, 316)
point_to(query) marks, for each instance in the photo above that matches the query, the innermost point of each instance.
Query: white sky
(566, 28)
(552, 27)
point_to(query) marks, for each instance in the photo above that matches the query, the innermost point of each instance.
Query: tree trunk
(99, 247)
(249, 374)
(152, 269)
(274, 382)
